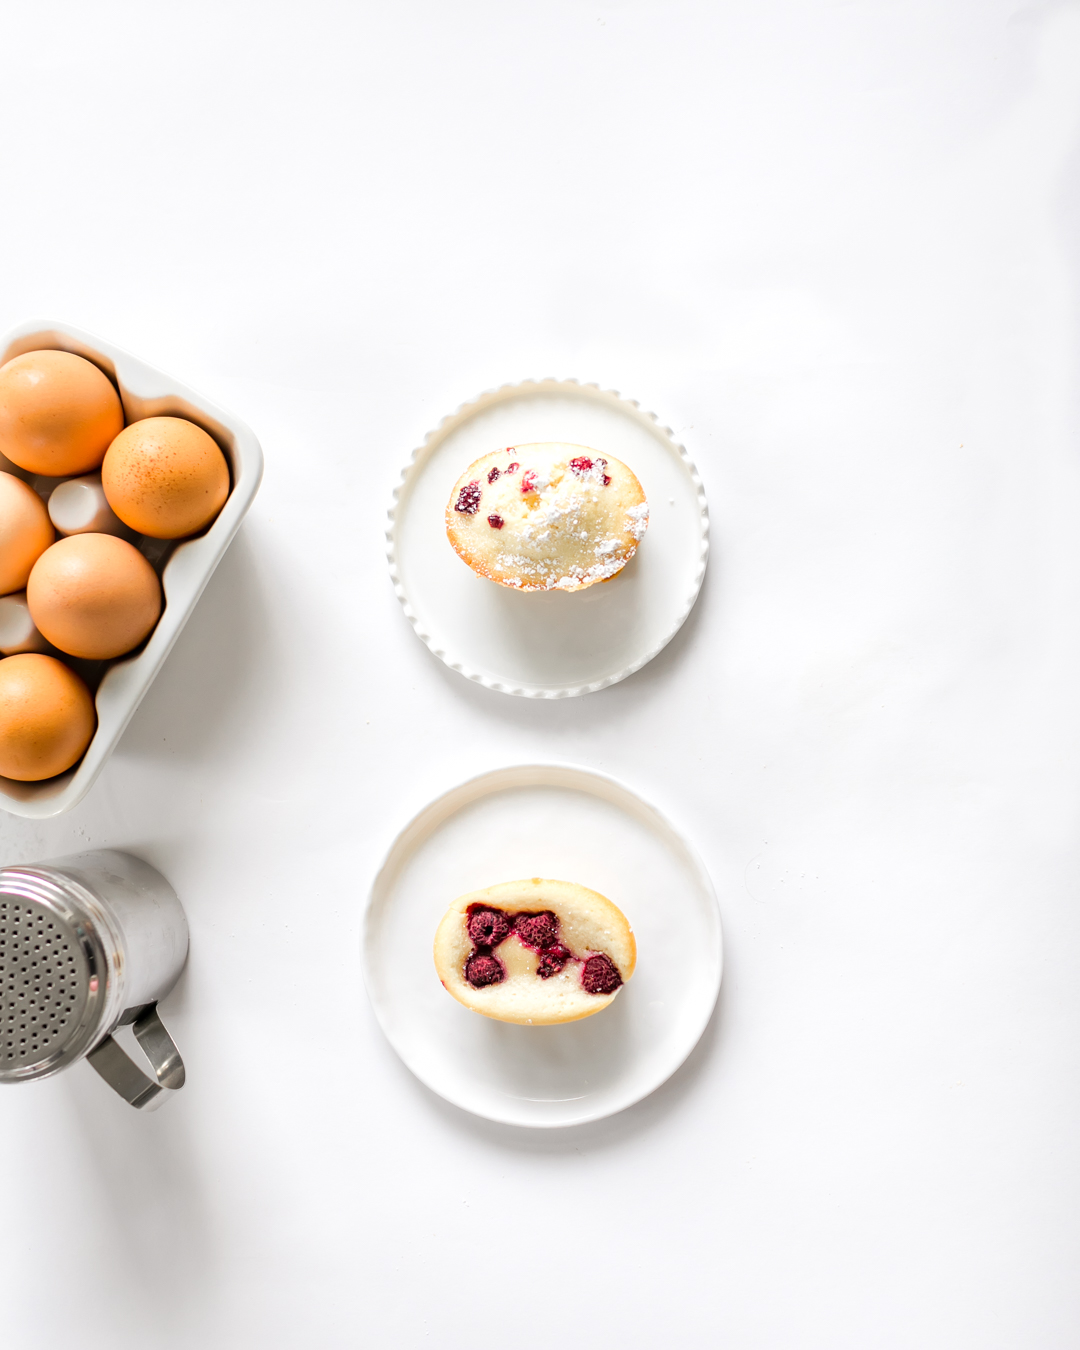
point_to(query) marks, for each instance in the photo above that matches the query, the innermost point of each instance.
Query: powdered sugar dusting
(571, 519)
(637, 520)
(537, 479)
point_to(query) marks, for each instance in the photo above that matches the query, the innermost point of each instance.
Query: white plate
(547, 820)
(549, 644)
(145, 392)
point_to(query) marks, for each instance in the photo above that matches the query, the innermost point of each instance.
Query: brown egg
(93, 595)
(165, 477)
(58, 413)
(25, 532)
(47, 717)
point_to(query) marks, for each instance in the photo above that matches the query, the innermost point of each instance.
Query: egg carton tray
(145, 392)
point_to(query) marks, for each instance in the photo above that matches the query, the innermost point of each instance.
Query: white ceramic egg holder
(145, 392)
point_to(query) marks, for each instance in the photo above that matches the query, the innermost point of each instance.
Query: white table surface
(835, 247)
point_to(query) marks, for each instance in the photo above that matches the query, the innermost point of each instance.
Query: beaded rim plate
(549, 644)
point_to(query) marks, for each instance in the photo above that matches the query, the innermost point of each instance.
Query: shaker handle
(123, 1074)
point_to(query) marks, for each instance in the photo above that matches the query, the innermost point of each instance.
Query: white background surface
(834, 246)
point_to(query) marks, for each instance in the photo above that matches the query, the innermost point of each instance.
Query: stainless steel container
(89, 943)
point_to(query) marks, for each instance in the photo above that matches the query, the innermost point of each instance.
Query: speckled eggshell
(165, 477)
(25, 532)
(547, 516)
(94, 596)
(589, 925)
(47, 717)
(58, 413)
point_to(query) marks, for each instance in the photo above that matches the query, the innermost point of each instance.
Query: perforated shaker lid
(51, 973)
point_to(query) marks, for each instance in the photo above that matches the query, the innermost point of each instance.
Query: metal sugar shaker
(89, 943)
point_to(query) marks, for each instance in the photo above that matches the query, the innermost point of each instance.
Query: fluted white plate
(558, 821)
(549, 644)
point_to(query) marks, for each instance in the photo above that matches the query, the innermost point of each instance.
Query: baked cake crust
(547, 516)
(536, 952)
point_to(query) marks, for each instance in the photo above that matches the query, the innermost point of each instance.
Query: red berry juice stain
(513, 468)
